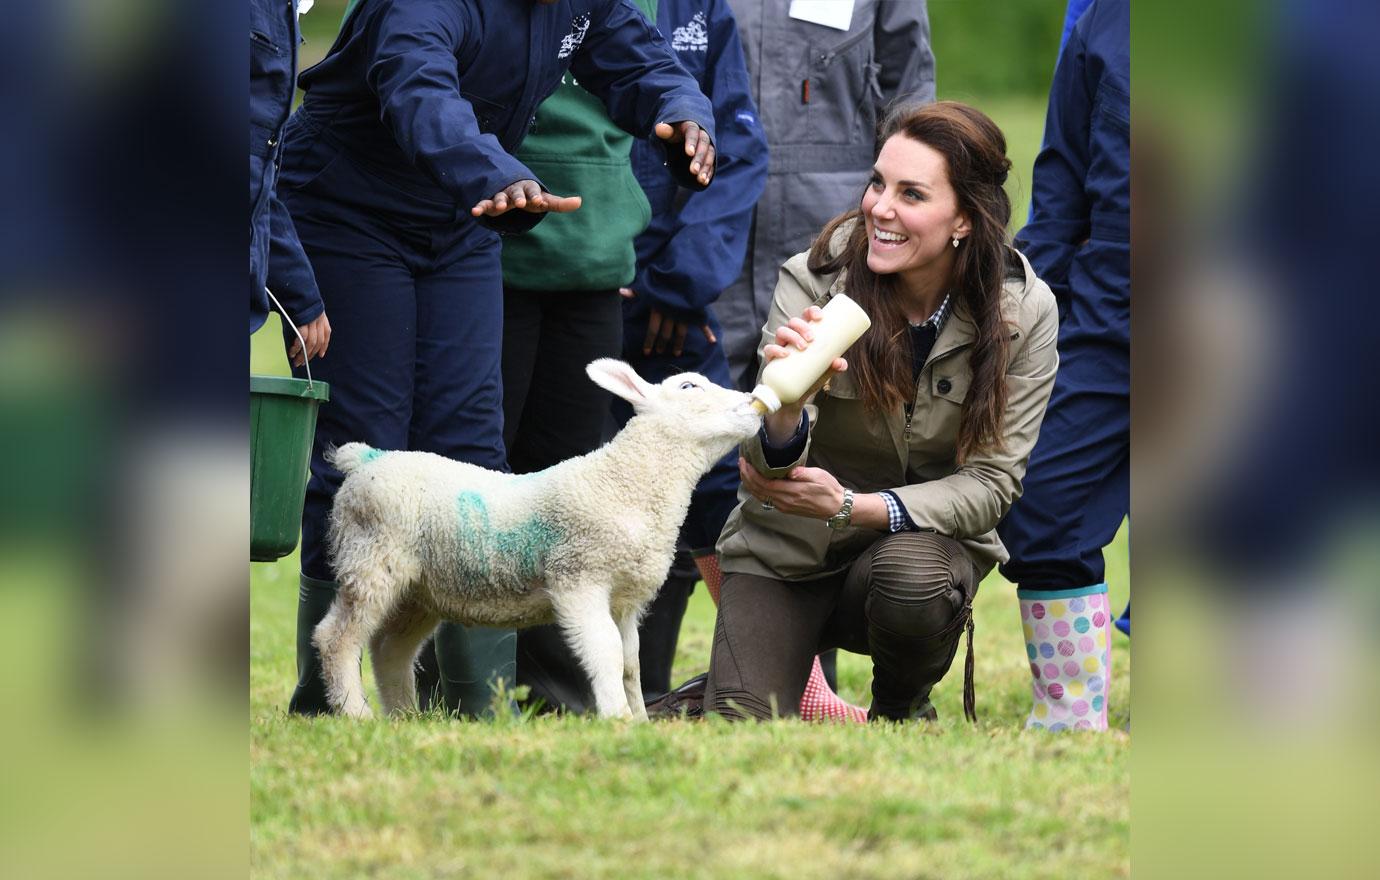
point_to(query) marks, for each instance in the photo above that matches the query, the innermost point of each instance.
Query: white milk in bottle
(786, 379)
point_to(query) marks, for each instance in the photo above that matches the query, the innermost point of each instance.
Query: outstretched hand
(525, 195)
(697, 146)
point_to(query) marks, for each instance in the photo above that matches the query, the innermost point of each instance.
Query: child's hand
(697, 146)
(525, 195)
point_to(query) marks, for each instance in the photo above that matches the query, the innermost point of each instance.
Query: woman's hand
(317, 335)
(525, 195)
(796, 334)
(697, 146)
(806, 491)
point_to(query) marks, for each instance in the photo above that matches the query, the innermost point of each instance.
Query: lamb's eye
(686, 386)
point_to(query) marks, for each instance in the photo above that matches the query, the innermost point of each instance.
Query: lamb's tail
(349, 457)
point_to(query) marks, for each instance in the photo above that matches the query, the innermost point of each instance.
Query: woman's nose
(881, 207)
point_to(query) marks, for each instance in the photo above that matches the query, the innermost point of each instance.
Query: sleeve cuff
(897, 518)
(790, 451)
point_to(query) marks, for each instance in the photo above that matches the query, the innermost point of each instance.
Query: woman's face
(910, 209)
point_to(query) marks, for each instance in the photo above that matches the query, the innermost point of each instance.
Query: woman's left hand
(806, 491)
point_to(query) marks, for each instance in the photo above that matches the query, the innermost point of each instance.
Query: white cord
(306, 362)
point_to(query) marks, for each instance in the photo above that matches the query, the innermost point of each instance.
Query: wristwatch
(841, 519)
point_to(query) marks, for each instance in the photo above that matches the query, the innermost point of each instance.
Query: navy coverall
(693, 249)
(275, 255)
(1077, 486)
(407, 123)
(695, 244)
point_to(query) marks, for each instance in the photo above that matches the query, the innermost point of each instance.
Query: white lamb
(418, 538)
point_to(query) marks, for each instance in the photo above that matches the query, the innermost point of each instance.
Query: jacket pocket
(950, 384)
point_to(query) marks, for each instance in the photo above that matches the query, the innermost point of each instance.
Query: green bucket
(282, 423)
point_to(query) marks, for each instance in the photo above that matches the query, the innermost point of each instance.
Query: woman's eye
(913, 195)
(875, 182)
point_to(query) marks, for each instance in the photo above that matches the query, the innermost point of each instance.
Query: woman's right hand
(796, 334)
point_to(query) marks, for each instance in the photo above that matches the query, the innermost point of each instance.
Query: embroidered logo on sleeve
(692, 37)
(571, 41)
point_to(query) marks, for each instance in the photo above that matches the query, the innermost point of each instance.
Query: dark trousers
(412, 288)
(552, 412)
(905, 602)
(414, 361)
(1076, 491)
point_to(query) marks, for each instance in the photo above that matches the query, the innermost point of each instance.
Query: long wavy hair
(975, 152)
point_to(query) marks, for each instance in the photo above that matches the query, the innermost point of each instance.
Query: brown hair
(975, 152)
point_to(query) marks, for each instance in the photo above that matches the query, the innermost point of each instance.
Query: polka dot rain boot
(1068, 643)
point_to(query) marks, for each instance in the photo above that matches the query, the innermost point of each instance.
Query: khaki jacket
(915, 458)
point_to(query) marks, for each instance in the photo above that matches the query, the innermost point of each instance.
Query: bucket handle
(306, 362)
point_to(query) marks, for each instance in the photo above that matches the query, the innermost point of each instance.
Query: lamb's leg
(340, 638)
(632, 665)
(394, 652)
(583, 613)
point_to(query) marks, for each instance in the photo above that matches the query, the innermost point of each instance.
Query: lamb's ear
(617, 377)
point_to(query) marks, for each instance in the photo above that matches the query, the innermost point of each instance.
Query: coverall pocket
(486, 112)
(841, 108)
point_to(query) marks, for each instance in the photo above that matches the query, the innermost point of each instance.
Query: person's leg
(458, 413)
(561, 415)
(906, 602)
(370, 296)
(765, 639)
(1076, 495)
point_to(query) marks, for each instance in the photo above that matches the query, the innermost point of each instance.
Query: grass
(574, 797)
(582, 798)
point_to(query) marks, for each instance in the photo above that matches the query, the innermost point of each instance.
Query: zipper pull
(805, 91)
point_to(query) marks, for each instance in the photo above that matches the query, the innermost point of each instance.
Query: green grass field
(577, 798)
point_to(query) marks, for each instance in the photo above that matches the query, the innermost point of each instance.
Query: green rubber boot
(314, 598)
(471, 660)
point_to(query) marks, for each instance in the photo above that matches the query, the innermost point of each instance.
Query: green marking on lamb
(525, 546)
(369, 455)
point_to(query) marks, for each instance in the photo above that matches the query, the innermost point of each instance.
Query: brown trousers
(905, 602)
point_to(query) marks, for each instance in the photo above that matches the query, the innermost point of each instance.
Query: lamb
(418, 538)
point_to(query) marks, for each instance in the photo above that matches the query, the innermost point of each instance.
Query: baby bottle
(786, 379)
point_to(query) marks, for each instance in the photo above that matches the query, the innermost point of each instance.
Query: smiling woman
(880, 500)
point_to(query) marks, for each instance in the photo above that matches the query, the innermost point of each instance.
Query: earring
(955, 241)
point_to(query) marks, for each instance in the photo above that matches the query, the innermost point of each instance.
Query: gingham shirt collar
(940, 316)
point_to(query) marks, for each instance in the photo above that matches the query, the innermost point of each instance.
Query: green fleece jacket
(575, 150)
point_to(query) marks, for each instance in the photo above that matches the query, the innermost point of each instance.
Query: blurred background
(123, 613)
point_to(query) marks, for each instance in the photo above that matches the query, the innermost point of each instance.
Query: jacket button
(945, 386)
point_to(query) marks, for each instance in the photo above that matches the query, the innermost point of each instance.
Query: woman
(866, 518)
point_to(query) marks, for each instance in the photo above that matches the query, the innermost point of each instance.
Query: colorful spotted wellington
(1068, 636)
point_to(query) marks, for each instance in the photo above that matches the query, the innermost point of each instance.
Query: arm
(626, 62)
(414, 73)
(1059, 213)
(973, 499)
(702, 253)
(293, 283)
(902, 49)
